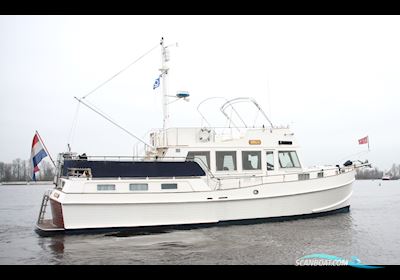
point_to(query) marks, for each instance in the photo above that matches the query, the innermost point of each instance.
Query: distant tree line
(21, 170)
(375, 173)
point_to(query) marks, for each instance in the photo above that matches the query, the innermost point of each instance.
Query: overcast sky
(333, 79)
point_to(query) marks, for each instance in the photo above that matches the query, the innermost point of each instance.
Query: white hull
(85, 211)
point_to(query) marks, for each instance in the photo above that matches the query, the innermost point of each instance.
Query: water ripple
(369, 231)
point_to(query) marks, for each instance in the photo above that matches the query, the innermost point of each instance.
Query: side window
(106, 187)
(138, 187)
(169, 186)
(251, 160)
(203, 156)
(226, 161)
(288, 159)
(295, 159)
(270, 160)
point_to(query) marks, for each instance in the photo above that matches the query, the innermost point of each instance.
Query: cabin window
(106, 187)
(169, 186)
(270, 160)
(226, 161)
(304, 176)
(320, 174)
(251, 160)
(204, 157)
(138, 187)
(288, 159)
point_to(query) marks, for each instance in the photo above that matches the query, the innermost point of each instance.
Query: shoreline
(23, 183)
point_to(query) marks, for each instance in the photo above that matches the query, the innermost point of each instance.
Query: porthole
(255, 191)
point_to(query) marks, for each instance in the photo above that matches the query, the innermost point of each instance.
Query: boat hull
(272, 201)
(122, 231)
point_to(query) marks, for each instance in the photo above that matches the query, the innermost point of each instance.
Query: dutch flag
(37, 154)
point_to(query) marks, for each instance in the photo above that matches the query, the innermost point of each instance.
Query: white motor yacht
(191, 176)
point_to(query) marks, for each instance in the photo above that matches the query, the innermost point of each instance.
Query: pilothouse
(195, 176)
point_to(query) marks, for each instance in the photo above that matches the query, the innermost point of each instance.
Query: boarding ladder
(45, 201)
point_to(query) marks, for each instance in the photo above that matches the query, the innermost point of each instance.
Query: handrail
(264, 182)
(217, 127)
(198, 106)
(230, 103)
(133, 158)
(245, 176)
(242, 99)
(218, 181)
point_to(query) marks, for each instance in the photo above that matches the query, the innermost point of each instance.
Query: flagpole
(41, 140)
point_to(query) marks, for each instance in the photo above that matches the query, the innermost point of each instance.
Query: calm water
(370, 231)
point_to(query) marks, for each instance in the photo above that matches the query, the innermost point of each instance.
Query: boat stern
(44, 226)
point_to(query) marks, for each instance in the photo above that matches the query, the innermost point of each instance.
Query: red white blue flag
(37, 154)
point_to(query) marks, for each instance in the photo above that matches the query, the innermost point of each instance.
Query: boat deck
(47, 225)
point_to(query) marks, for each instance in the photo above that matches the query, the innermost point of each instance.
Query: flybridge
(221, 136)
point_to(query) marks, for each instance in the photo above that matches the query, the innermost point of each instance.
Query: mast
(164, 72)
